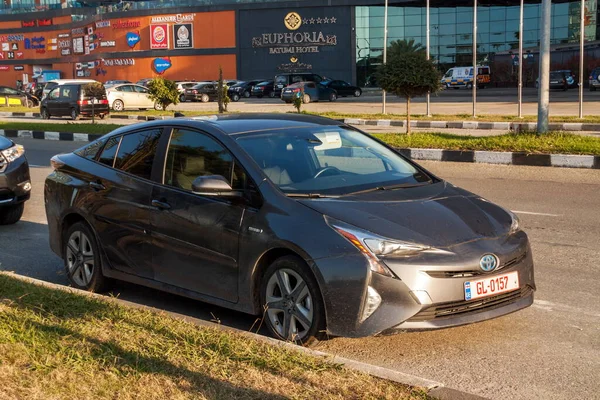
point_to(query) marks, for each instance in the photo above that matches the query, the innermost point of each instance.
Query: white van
(458, 77)
(59, 82)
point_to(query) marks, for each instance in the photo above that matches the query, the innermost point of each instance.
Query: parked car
(181, 86)
(263, 89)
(15, 183)
(242, 89)
(318, 226)
(10, 96)
(310, 91)
(129, 96)
(284, 80)
(204, 92)
(343, 88)
(75, 100)
(558, 80)
(571, 78)
(58, 82)
(144, 82)
(116, 82)
(594, 79)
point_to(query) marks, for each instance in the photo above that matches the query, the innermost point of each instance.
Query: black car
(204, 92)
(309, 91)
(242, 89)
(343, 88)
(317, 226)
(263, 89)
(16, 97)
(559, 80)
(15, 183)
(75, 100)
(284, 80)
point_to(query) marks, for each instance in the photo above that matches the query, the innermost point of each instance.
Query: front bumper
(15, 183)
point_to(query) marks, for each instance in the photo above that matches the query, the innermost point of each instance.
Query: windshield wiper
(310, 195)
(390, 187)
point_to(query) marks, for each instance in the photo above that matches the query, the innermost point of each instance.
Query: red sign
(44, 22)
(159, 36)
(4, 67)
(28, 24)
(19, 54)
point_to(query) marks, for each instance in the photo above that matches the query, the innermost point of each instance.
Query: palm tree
(398, 47)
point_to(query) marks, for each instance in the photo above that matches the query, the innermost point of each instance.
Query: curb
(434, 389)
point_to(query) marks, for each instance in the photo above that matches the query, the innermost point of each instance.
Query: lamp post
(520, 95)
(428, 56)
(474, 84)
(581, 56)
(385, 31)
(544, 74)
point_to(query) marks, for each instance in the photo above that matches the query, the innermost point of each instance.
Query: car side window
(140, 89)
(54, 94)
(66, 92)
(137, 151)
(107, 157)
(192, 154)
(127, 88)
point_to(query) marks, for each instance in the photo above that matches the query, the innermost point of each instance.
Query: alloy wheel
(118, 105)
(290, 306)
(80, 258)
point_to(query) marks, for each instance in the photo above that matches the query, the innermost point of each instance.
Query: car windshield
(239, 84)
(328, 161)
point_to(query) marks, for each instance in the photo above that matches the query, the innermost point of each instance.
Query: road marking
(535, 213)
(549, 306)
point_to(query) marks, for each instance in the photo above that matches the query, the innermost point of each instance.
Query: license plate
(279, 86)
(554, 82)
(491, 286)
(287, 90)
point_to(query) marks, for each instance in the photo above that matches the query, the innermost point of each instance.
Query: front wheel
(306, 99)
(469, 86)
(272, 95)
(292, 302)
(11, 214)
(82, 259)
(182, 98)
(74, 114)
(246, 94)
(235, 97)
(44, 113)
(332, 97)
(158, 107)
(204, 98)
(357, 93)
(118, 105)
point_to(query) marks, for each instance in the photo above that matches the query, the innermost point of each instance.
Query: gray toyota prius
(318, 227)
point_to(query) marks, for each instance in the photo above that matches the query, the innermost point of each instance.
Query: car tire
(306, 99)
(300, 302)
(357, 93)
(29, 103)
(44, 113)
(235, 97)
(247, 94)
(158, 107)
(83, 263)
(182, 98)
(272, 95)
(118, 105)
(11, 214)
(102, 116)
(74, 114)
(204, 98)
(469, 86)
(332, 97)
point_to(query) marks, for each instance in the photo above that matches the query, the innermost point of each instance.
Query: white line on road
(549, 306)
(535, 213)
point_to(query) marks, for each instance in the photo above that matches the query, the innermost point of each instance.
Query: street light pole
(581, 56)
(428, 57)
(385, 32)
(544, 74)
(520, 95)
(474, 84)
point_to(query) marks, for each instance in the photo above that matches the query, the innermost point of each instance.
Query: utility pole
(474, 84)
(520, 95)
(385, 32)
(428, 57)
(544, 74)
(581, 56)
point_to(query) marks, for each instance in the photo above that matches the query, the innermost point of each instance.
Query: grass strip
(550, 143)
(56, 344)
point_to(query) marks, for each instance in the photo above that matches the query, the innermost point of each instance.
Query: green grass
(61, 345)
(554, 142)
(98, 129)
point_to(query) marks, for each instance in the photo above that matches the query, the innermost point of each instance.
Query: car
(571, 78)
(144, 82)
(75, 100)
(204, 92)
(321, 228)
(594, 80)
(284, 80)
(130, 96)
(181, 86)
(15, 182)
(116, 82)
(309, 91)
(48, 86)
(558, 80)
(343, 88)
(263, 89)
(10, 96)
(242, 89)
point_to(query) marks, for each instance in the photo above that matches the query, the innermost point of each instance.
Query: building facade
(251, 39)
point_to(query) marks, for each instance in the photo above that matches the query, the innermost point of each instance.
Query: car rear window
(110, 149)
(94, 90)
(90, 151)
(137, 151)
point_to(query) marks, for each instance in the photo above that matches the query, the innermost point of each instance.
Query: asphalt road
(548, 351)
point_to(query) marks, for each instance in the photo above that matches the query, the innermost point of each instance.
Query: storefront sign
(12, 38)
(14, 46)
(65, 52)
(5, 46)
(64, 35)
(64, 44)
(28, 24)
(35, 43)
(159, 36)
(11, 55)
(86, 44)
(160, 65)
(118, 62)
(176, 19)
(78, 45)
(126, 24)
(108, 43)
(183, 36)
(133, 38)
(19, 54)
(44, 22)
(77, 31)
(103, 24)
(19, 68)
(4, 67)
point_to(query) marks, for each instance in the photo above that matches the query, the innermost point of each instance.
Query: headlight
(515, 224)
(12, 153)
(375, 247)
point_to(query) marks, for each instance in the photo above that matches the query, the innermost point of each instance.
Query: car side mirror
(213, 185)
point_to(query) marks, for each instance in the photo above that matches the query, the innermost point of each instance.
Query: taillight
(103, 101)
(296, 90)
(82, 102)
(56, 162)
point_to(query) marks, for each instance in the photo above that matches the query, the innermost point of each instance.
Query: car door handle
(160, 205)
(97, 186)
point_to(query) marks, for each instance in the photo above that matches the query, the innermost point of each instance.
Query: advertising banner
(183, 36)
(159, 36)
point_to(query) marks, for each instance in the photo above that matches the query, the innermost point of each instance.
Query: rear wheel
(11, 214)
(82, 259)
(158, 107)
(469, 86)
(357, 93)
(235, 97)
(306, 99)
(74, 114)
(182, 98)
(118, 105)
(332, 97)
(204, 98)
(246, 94)
(292, 301)
(272, 95)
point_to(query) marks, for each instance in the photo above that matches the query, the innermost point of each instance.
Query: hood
(438, 215)
(5, 143)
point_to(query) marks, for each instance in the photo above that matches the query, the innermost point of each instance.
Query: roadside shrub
(163, 92)
(222, 96)
(298, 101)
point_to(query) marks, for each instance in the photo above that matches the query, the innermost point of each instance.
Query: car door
(130, 97)
(122, 194)
(195, 237)
(52, 101)
(142, 97)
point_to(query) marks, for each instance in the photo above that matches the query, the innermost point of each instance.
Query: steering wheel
(323, 170)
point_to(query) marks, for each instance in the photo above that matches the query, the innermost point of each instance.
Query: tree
(95, 91)
(222, 96)
(398, 47)
(408, 74)
(298, 100)
(163, 92)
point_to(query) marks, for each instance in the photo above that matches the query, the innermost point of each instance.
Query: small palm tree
(398, 47)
